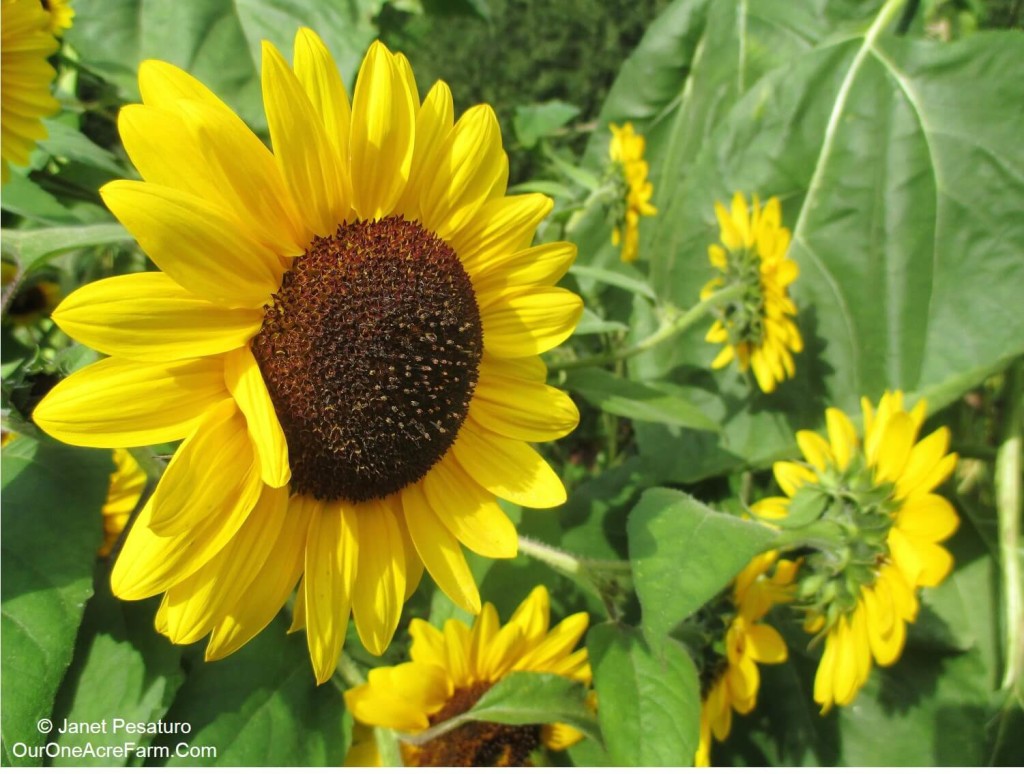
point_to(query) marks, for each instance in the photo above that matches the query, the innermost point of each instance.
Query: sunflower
(452, 668)
(886, 524)
(758, 329)
(127, 483)
(61, 15)
(629, 169)
(729, 674)
(345, 332)
(25, 77)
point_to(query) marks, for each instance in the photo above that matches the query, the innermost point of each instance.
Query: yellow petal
(162, 85)
(824, 677)
(892, 448)
(928, 517)
(771, 507)
(814, 448)
(434, 121)
(439, 550)
(427, 643)
(500, 227)
(202, 600)
(469, 511)
(936, 563)
(196, 243)
(150, 317)
(528, 322)
(558, 643)
(507, 468)
(207, 151)
(559, 736)
(317, 72)
(382, 137)
(309, 163)
(380, 582)
(540, 265)
(374, 707)
(150, 563)
(724, 357)
(791, 476)
(842, 436)
(332, 557)
(928, 466)
(244, 380)
(469, 166)
(120, 403)
(211, 475)
(765, 644)
(263, 597)
(521, 409)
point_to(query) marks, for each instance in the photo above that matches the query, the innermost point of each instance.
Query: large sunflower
(451, 669)
(25, 77)
(886, 523)
(345, 332)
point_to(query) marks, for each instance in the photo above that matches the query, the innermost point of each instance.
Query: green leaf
(804, 507)
(649, 402)
(51, 528)
(124, 670)
(648, 697)
(683, 553)
(532, 122)
(904, 275)
(217, 41)
(261, 707)
(68, 142)
(529, 698)
(33, 246)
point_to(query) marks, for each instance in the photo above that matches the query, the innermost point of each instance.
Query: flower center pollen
(370, 351)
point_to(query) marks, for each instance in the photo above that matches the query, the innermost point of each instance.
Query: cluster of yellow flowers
(291, 480)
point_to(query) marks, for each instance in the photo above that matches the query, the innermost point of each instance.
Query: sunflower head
(870, 496)
(633, 191)
(26, 42)
(344, 334)
(736, 641)
(450, 669)
(757, 330)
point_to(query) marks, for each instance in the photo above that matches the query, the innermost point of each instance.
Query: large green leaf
(124, 670)
(648, 697)
(51, 528)
(900, 174)
(261, 707)
(683, 553)
(218, 41)
(34, 246)
(527, 698)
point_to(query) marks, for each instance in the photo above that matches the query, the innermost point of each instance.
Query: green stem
(566, 564)
(669, 329)
(1008, 506)
(349, 671)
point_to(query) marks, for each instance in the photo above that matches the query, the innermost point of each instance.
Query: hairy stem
(1008, 506)
(668, 329)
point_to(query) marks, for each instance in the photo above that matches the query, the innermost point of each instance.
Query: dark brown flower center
(474, 744)
(370, 351)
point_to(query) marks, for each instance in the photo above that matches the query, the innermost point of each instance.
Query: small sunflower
(25, 78)
(345, 332)
(127, 483)
(61, 15)
(451, 669)
(758, 329)
(629, 169)
(886, 522)
(729, 674)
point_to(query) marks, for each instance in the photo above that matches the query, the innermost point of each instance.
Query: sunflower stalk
(1008, 506)
(674, 323)
(610, 580)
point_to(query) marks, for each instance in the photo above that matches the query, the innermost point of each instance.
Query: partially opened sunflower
(344, 332)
